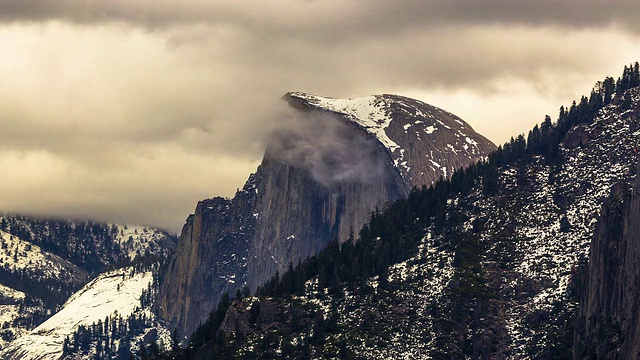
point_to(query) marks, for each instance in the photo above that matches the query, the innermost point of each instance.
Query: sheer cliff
(496, 265)
(608, 321)
(320, 179)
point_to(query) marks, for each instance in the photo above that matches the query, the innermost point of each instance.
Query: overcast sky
(132, 111)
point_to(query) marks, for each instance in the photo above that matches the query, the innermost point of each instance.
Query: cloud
(326, 148)
(159, 188)
(331, 18)
(134, 110)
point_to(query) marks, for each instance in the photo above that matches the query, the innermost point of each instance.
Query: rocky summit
(531, 254)
(424, 142)
(334, 162)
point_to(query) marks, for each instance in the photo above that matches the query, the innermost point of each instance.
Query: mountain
(322, 174)
(43, 261)
(491, 263)
(424, 142)
(113, 297)
(607, 324)
(90, 245)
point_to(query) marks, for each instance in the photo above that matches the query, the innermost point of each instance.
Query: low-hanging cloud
(134, 110)
(332, 151)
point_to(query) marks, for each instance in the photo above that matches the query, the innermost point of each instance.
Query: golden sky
(132, 111)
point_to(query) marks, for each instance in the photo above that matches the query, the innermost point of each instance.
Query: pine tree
(175, 342)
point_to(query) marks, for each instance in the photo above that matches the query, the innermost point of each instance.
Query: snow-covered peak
(121, 290)
(369, 112)
(423, 141)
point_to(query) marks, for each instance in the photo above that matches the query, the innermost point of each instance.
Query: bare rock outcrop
(608, 321)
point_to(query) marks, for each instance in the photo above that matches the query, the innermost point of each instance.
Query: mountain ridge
(382, 117)
(503, 240)
(319, 179)
(46, 260)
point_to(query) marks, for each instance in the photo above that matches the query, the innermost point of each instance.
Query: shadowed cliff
(323, 173)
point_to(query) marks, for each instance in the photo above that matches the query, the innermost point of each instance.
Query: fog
(326, 148)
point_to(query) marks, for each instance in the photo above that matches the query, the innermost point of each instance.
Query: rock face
(608, 321)
(320, 179)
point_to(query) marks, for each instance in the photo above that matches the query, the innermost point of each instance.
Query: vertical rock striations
(608, 321)
(210, 258)
(302, 215)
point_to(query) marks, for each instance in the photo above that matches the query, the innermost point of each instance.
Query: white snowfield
(111, 292)
(17, 254)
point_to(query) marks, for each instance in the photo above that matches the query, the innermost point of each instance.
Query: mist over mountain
(375, 227)
(320, 202)
(497, 262)
(332, 164)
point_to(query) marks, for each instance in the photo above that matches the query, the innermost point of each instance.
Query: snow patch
(369, 112)
(116, 291)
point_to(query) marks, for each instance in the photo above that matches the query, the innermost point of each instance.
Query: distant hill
(43, 261)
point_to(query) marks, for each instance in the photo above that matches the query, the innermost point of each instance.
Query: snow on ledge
(369, 112)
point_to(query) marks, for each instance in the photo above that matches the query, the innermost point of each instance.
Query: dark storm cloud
(422, 40)
(332, 18)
